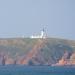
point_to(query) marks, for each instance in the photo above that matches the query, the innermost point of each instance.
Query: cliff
(26, 51)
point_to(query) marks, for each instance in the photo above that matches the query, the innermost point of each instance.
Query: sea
(36, 70)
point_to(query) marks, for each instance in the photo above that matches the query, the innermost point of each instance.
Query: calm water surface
(36, 70)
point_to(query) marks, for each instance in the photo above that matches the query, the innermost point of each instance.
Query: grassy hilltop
(37, 51)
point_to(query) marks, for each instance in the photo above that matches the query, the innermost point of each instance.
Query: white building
(42, 35)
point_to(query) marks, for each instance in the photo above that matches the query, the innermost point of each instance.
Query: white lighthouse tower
(42, 35)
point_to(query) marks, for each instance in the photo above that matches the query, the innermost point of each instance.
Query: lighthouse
(42, 35)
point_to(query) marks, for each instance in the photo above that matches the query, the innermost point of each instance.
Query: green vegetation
(49, 53)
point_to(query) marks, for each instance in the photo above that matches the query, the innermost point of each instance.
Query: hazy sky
(27, 17)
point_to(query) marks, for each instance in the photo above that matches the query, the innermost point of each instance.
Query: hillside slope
(50, 51)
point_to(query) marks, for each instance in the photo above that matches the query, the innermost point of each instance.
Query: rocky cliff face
(25, 51)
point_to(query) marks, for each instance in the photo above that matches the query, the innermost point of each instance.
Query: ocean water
(36, 70)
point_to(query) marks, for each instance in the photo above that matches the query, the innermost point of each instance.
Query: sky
(28, 17)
